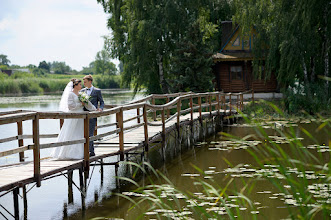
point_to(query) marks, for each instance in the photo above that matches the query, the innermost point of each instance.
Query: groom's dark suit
(96, 98)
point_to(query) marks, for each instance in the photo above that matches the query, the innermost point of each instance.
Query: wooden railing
(161, 107)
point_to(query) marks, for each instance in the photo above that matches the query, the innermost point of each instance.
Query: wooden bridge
(155, 114)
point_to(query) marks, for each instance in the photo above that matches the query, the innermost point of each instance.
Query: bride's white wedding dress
(72, 129)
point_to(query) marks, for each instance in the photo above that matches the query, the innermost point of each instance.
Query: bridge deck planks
(17, 175)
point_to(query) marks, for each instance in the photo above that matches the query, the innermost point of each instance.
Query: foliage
(89, 69)
(298, 172)
(103, 64)
(30, 83)
(59, 67)
(297, 34)
(4, 60)
(191, 64)
(146, 35)
(44, 65)
(106, 82)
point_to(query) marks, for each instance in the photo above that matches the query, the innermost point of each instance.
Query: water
(47, 202)
(213, 157)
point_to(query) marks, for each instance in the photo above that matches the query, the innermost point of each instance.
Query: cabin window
(236, 72)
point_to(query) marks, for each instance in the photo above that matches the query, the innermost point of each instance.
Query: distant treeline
(20, 83)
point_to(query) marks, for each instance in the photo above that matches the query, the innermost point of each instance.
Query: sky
(68, 31)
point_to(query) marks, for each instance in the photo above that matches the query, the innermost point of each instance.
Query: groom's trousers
(93, 122)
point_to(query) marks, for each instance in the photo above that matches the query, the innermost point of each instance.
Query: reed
(27, 83)
(299, 172)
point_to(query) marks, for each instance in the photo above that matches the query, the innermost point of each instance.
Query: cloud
(54, 30)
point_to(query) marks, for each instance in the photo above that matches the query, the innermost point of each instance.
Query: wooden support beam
(145, 127)
(86, 144)
(200, 109)
(70, 191)
(163, 128)
(95, 133)
(230, 105)
(138, 114)
(20, 141)
(36, 150)
(168, 111)
(179, 102)
(61, 122)
(154, 111)
(16, 206)
(210, 106)
(119, 119)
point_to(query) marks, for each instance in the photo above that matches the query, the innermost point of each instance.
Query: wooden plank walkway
(20, 174)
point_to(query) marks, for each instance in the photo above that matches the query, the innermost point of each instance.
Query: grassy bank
(28, 83)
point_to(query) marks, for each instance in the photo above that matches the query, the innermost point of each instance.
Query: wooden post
(163, 128)
(95, 132)
(25, 202)
(119, 117)
(36, 150)
(145, 127)
(218, 104)
(178, 113)
(138, 115)
(230, 105)
(253, 96)
(168, 111)
(206, 102)
(101, 171)
(154, 111)
(70, 192)
(16, 207)
(82, 188)
(210, 106)
(191, 107)
(224, 104)
(61, 123)
(87, 143)
(199, 103)
(241, 102)
(20, 140)
(237, 102)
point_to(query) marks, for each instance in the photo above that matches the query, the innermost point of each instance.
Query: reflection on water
(51, 201)
(221, 161)
(48, 201)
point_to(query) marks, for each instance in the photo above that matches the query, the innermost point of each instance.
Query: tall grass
(300, 173)
(28, 83)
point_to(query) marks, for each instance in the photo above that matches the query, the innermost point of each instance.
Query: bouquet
(83, 97)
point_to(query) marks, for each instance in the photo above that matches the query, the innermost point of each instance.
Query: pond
(227, 164)
(222, 162)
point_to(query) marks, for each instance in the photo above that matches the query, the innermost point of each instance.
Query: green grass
(28, 83)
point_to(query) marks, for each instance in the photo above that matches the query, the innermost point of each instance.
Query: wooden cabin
(233, 63)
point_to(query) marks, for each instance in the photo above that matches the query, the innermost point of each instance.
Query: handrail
(212, 100)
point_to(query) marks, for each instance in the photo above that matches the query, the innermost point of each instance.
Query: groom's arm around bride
(96, 100)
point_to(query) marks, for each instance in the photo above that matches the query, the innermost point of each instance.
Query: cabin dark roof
(227, 31)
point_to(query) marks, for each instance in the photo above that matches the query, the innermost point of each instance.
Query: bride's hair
(75, 82)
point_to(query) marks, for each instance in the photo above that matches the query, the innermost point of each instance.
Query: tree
(294, 37)
(44, 65)
(60, 67)
(4, 60)
(103, 64)
(146, 34)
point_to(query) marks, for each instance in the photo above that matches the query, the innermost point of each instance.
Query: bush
(107, 82)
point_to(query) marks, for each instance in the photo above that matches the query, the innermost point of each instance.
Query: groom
(96, 98)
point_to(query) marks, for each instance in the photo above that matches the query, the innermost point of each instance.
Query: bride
(72, 129)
